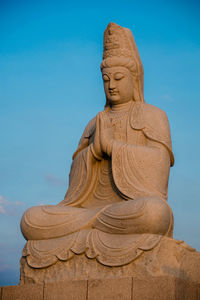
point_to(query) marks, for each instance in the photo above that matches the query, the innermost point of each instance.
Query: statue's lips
(114, 93)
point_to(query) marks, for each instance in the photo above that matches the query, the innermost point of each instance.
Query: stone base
(169, 258)
(129, 288)
(171, 271)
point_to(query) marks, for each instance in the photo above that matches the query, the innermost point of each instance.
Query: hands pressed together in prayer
(104, 137)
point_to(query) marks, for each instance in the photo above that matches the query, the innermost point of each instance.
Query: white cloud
(2, 210)
(52, 180)
(167, 97)
(4, 267)
(2, 200)
(18, 203)
(8, 207)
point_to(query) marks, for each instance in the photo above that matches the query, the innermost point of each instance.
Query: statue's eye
(105, 77)
(118, 76)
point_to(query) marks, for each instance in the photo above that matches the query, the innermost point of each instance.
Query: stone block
(23, 292)
(66, 290)
(108, 289)
(154, 288)
(128, 288)
(186, 290)
(165, 288)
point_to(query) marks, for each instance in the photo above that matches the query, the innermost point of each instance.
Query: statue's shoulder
(153, 109)
(145, 115)
(153, 122)
(155, 116)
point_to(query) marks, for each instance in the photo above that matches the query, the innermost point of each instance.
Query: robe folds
(115, 207)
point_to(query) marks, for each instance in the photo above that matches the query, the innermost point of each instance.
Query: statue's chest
(119, 125)
(124, 133)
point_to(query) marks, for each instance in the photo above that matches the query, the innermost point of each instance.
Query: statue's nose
(112, 84)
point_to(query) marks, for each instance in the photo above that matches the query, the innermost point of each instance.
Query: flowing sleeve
(144, 170)
(83, 171)
(84, 141)
(140, 170)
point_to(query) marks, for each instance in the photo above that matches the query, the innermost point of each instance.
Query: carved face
(118, 85)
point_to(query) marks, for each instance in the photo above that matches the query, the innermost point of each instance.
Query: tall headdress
(120, 50)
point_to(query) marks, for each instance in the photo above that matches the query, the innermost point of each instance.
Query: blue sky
(50, 86)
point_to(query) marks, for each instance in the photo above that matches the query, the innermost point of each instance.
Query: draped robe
(115, 207)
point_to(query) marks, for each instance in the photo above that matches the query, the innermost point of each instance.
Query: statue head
(121, 60)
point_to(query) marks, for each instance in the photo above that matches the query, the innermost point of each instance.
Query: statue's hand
(106, 133)
(96, 147)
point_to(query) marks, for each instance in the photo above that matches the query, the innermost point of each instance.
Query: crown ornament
(116, 42)
(119, 41)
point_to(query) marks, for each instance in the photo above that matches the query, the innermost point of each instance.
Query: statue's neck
(121, 107)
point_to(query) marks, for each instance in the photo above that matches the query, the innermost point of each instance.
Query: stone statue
(116, 204)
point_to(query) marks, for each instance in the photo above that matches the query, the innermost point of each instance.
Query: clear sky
(50, 86)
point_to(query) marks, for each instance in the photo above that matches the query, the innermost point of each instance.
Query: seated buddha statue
(117, 195)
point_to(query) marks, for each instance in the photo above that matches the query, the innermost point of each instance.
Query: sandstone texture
(169, 258)
(127, 288)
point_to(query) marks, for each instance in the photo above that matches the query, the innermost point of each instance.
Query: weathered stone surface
(165, 288)
(146, 288)
(116, 289)
(186, 290)
(24, 292)
(154, 288)
(191, 264)
(66, 290)
(168, 258)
